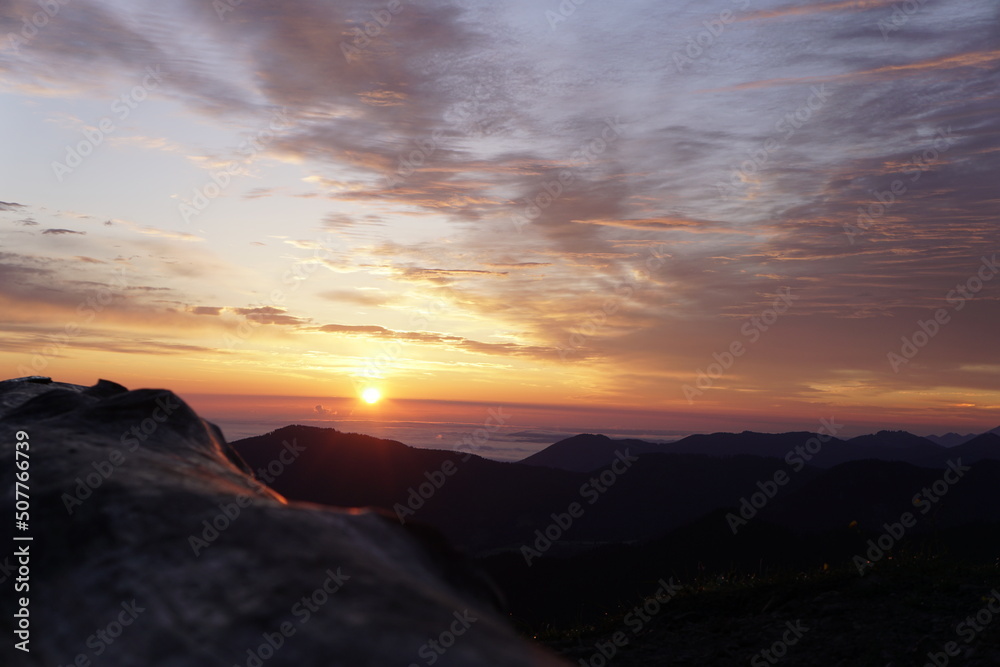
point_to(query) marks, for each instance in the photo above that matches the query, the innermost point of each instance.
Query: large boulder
(153, 545)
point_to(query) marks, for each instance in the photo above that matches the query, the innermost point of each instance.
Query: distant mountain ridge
(487, 506)
(483, 505)
(586, 451)
(953, 439)
(893, 439)
(985, 446)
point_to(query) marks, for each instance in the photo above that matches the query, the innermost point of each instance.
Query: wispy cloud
(446, 340)
(59, 232)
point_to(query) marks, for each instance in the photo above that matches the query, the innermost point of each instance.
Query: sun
(371, 395)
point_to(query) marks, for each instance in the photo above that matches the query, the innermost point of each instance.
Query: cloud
(207, 310)
(147, 346)
(148, 230)
(161, 144)
(889, 72)
(518, 265)
(447, 340)
(61, 231)
(260, 192)
(270, 315)
(816, 8)
(10, 206)
(359, 297)
(340, 221)
(339, 265)
(63, 342)
(443, 276)
(651, 224)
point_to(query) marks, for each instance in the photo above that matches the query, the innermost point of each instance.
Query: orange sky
(481, 204)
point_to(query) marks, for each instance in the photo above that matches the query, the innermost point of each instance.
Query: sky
(665, 216)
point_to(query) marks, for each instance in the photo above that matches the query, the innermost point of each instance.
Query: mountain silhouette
(589, 452)
(895, 440)
(985, 446)
(953, 439)
(486, 506)
(586, 452)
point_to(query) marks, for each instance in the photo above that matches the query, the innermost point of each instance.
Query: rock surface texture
(154, 545)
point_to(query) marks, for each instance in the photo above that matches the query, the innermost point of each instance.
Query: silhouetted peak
(986, 438)
(892, 438)
(587, 451)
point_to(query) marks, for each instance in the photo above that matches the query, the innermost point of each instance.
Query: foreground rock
(153, 545)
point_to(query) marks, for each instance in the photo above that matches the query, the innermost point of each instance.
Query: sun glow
(371, 395)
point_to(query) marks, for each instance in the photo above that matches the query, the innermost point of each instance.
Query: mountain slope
(586, 452)
(985, 446)
(951, 439)
(894, 440)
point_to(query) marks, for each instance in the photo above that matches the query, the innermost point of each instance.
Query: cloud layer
(594, 204)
